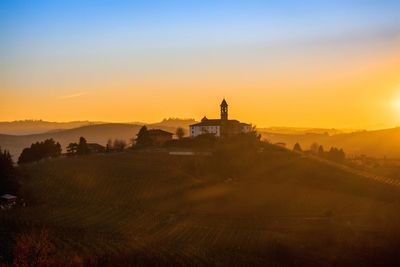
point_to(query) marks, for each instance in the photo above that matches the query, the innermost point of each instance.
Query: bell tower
(224, 110)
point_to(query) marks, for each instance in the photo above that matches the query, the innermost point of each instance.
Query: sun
(396, 104)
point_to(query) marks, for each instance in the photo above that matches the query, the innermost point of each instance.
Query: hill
(93, 133)
(174, 123)
(27, 127)
(146, 209)
(98, 133)
(304, 130)
(379, 143)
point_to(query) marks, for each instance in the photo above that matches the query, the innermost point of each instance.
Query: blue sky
(155, 24)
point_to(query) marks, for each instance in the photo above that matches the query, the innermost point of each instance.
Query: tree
(8, 178)
(336, 154)
(321, 152)
(72, 149)
(314, 148)
(82, 147)
(119, 144)
(180, 133)
(40, 150)
(143, 139)
(109, 145)
(297, 148)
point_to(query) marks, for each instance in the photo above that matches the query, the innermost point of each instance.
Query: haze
(308, 63)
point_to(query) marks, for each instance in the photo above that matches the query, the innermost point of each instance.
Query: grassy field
(155, 209)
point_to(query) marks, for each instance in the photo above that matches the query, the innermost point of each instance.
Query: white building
(219, 127)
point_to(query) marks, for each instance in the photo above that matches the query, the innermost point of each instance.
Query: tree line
(40, 150)
(8, 174)
(333, 154)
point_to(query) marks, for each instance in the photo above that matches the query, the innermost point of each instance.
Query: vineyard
(158, 209)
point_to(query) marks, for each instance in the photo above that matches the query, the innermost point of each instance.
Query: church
(222, 127)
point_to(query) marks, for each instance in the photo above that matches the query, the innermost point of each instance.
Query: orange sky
(323, 92)
(340, 73)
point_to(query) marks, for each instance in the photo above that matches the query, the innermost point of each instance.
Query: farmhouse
(96, 148)
(222, 127)
(158, 137)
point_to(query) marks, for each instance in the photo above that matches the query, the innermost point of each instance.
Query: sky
(309, 63)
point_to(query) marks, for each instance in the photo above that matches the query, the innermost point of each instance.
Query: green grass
(151, 208)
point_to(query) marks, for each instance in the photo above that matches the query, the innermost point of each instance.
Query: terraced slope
(156, 209)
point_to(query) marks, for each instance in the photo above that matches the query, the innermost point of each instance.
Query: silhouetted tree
(109, 145)
(180, 133)
(82, 147)
(321, 151)
(119, 144)
(8, 179)
(143, 139)
(336, 154)
(314, 148)
(297, 147)
(40, 150)
(72, 149)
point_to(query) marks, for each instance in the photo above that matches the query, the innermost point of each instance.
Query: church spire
(224, 110)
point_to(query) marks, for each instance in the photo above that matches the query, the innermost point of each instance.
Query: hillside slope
(378, 143)
(282, 210)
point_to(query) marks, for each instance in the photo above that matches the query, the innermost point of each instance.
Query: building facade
(222, 127)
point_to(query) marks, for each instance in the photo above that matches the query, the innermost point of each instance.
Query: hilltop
(280, 209)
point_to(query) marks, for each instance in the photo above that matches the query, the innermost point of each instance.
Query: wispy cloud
(73, 95)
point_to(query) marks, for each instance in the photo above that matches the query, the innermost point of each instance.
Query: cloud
(73, 95)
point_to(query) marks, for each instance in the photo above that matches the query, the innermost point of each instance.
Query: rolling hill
(379, 143)
(27, 127)
(94, 133)
(154, 209)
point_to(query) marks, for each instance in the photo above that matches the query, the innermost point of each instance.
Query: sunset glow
(317, 64)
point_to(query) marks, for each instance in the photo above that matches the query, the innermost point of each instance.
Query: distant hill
(378, 143)
(38, 126)
(305, 130)
(174, 123)
(98, 133)
(28, 127)
(374, 143)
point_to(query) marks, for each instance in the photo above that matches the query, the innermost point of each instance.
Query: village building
(159, 137)
(96, 148)
(222, 127)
